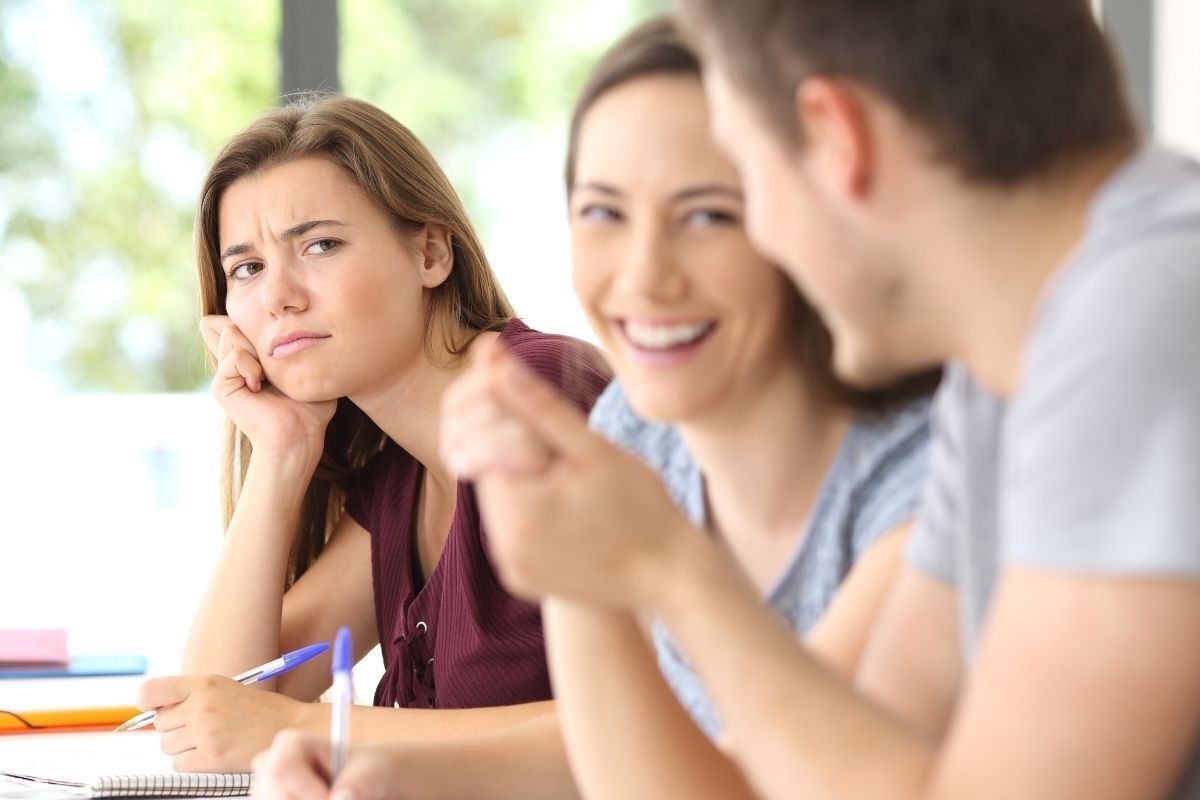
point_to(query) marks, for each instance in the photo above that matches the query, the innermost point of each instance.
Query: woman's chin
(664, 405)
(304, 392)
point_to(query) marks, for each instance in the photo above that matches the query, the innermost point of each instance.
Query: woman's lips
(288, 344)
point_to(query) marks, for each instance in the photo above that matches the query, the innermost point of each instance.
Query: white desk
(128, 753)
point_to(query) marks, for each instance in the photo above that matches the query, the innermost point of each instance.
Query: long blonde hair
(391, 167)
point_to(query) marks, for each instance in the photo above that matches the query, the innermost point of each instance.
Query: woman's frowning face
(320, 280)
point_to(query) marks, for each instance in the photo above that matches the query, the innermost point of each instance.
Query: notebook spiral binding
(182, 785)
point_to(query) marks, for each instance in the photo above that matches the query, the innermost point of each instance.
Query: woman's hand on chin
(274, 422)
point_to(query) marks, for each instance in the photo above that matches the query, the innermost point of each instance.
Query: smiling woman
(343, 288)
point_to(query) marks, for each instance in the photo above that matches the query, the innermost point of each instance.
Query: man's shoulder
(1132, 287)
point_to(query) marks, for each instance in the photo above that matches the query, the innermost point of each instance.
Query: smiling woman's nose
(650, 267)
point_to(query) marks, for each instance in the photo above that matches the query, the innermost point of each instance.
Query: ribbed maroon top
(459, 640)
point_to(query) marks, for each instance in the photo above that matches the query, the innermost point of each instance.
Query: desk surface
(135, 753)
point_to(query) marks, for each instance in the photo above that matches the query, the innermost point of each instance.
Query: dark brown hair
(1006, 90)
(657, 47)
(397, 173)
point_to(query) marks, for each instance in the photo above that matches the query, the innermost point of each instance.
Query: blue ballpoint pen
(269, 670)
(343, 697)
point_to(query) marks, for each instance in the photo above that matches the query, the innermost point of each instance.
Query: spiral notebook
(108, 765)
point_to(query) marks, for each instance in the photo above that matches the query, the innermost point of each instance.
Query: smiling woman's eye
(711, 216)
(595, 212)
(244, 271)
(322, 246)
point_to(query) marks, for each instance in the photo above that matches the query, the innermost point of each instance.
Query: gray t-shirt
(1093, 466)
(872, 487)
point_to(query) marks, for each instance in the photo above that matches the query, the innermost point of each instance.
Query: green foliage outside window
(99, 167)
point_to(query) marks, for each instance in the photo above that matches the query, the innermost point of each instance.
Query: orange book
(58, 720)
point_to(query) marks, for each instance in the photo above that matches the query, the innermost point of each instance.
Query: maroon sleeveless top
(459, 640)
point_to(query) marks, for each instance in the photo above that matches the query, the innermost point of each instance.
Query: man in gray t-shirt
(946, 181)
(1093, 466)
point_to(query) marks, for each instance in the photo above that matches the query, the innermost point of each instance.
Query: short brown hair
(658, 47)
(401, 177)
(1006, 90)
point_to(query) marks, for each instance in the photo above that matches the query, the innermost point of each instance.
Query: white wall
(1177, 73)
(111, 518)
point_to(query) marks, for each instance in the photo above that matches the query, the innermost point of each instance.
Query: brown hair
(1006, 90)
(657, 47)
(392, 168)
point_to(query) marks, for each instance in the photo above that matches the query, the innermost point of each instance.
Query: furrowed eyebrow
(290, 233)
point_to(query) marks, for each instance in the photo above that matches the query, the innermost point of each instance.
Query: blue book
(79, 666)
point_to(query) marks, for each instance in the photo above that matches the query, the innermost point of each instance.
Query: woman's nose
(284, 291)
(652, 267)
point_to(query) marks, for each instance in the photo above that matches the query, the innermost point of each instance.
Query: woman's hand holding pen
(211, 723)
(269, 418)
(583, 519)
(297, 765)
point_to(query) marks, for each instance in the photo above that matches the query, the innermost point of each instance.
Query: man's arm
(1089, 687)
(1085, 688)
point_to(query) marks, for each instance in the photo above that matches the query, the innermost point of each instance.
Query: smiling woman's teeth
(664, 337)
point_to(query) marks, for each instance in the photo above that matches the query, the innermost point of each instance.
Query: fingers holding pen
(296, 765)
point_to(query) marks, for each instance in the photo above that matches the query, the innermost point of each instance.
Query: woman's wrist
(310, 717)
(278, 479)
(676, 574)
(295, 462)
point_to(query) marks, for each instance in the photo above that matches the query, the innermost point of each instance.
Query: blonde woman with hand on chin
(343, 289)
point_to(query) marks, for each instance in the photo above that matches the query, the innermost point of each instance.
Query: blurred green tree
(99, 167)
(101, 176)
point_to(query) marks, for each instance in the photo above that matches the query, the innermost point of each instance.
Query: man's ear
(831, 115)
(437, 254)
